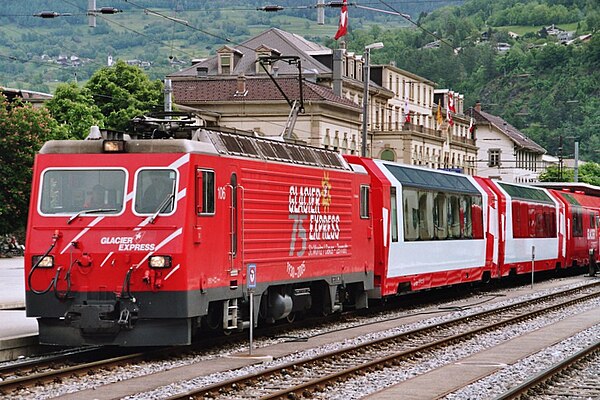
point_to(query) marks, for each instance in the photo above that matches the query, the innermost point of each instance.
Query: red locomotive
(146, 241)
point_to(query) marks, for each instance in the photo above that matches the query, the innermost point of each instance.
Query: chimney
(241, 86)
(337, 71)
(478, 106)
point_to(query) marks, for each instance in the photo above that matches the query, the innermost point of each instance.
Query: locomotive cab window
(364, 202)
(71, 191)
(205, 192)
(155, 191)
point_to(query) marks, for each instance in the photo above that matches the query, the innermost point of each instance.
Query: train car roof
(430, 179)
(205, 141)
(571, 187)
(525, 192)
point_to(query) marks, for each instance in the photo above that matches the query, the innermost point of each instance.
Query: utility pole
(576, 165)
(91, 15)
(92, 11)
(321, 12)
(560, 158)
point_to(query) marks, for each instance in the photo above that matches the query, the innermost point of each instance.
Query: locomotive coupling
(103, 316)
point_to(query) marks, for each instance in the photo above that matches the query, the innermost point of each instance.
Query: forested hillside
(37, 53)
(545, 88)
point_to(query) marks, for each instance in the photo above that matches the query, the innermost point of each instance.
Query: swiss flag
(449, 118)
(451, 106)
(343, 29)
(472, 128)
(451, 109)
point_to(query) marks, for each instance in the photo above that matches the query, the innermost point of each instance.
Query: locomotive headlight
(159, 262)
(113, 146)
(43, 262)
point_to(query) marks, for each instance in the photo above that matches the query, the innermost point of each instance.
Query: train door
(592, 235)
(234, 230)
(596, 254)
(231, 307)
(597, 219)
(205, 208)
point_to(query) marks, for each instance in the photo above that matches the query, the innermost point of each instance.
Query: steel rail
(56, 374)
(232, 385)
(549, 373)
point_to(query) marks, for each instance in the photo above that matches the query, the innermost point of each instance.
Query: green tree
(123, 92)
(552, 174)
(23, 130)
(75, 108)
(589, 173)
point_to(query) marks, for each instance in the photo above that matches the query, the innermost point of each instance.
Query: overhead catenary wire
(134, 31)
(419, 26)
(186, 24)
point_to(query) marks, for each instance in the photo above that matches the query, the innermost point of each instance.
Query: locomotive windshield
(154, 192)
(71, 191)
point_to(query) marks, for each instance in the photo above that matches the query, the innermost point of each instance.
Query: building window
(259, 67)
(225, 60)
(388, 155)
(494, 157)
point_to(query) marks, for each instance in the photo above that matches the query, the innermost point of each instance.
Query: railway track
(308, 377)
(84, 361)
(55, 368)
(575, 377)
(59, 367)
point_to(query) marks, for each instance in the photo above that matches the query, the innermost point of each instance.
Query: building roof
(27, 95)
(285, 43)
(257, 89)
(507, 129)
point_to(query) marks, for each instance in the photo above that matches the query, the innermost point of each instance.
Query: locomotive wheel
(214, 320)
